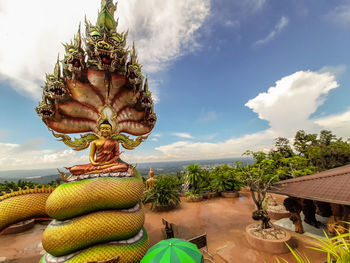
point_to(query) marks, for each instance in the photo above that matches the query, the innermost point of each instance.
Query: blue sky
(227, 75)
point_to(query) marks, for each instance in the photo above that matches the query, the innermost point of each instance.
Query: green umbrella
(173, 250)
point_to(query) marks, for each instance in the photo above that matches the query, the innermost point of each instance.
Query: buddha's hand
(99, 164)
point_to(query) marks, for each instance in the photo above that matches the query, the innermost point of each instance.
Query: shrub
(225, 178)
(164, 193)
(337, 249)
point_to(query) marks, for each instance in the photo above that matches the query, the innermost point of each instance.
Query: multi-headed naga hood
(100, 80)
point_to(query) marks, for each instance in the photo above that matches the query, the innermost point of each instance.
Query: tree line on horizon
(310, 153)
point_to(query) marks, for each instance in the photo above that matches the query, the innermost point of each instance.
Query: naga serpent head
(55, 88)
(105, 48)
(150, 119)
(104, 45)
(134, 75)
(45, 109)
(74, 59)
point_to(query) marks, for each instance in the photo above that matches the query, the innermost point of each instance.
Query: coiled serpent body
(96, 220)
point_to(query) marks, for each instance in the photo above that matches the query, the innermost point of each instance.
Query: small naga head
(55, 88)
(150, 119)
(134, 75)
(45, 109)
(74, 59)
(105, 48)
(145, 98)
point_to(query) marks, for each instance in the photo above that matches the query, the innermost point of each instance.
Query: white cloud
(337, 123)
(182, 135)
(232, 23)
(31, 35)
(15, 157)
(338, 71)
(340, 14)
(207, 116)
(288, 105)
(282, 23)
(252, 6)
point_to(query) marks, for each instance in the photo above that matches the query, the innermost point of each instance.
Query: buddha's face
(105, 130)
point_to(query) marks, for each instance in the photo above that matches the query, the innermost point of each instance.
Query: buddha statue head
(105, 129)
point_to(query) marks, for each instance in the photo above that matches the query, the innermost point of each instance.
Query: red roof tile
(332, 186)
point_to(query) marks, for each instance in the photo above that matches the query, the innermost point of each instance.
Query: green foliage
(323, 152)
(336, 248)
(164, 193)
(195, 176)
(192, 195)
(293, 167)
(8, 186)
(313, 154)
(225, 178)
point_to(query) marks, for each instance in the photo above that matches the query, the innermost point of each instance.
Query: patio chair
(169, 229)
(201, 243)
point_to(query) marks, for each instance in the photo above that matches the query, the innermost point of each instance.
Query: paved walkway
(223, 219)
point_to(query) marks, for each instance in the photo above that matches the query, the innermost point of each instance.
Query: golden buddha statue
(104, 154)
(150, 182)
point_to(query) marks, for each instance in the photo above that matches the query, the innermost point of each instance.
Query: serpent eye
(115, 40)
(95, 35)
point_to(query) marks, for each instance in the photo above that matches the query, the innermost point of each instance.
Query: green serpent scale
(64, 237)
(131, 253)
(85, 196)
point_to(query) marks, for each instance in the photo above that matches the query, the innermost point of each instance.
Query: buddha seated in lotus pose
(104, 155)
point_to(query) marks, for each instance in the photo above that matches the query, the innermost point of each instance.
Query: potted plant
(164, 193)
(194, 175)
(204, 187)
(192, 197)
(226, 181)
(259, 177)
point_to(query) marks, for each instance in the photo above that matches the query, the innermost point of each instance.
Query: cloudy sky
(227, 75)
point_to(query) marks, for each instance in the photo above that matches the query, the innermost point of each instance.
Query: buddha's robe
(108, 152)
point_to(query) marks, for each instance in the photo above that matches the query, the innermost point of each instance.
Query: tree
(302, 141)
(325, 152)
(259, 177)
(283, 148)
(293, 167)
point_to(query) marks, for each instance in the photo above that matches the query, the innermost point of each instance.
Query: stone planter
(277, 215)
(194, 199)
(181, 194)
(230, 194)
(19, 227)
(164, 208)
(206, 195)
(276, 246)
(212, 195)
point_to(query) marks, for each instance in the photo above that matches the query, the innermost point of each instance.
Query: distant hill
(47, 175)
